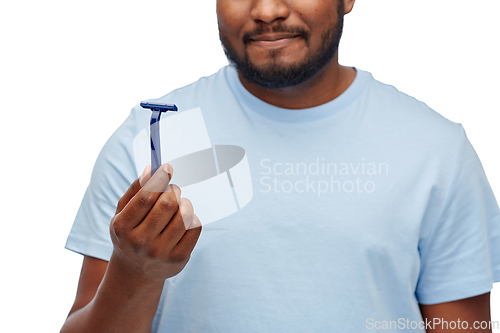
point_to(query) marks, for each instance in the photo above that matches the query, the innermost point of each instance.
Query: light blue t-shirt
(362, 208)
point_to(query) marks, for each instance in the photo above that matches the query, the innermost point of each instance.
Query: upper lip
(273, 37)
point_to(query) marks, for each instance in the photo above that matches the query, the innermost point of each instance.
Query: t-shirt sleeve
(113, 173)
(460, 258)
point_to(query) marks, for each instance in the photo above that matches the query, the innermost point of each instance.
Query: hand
(154, 230)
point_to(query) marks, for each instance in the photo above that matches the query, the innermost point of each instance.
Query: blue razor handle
(157, 110)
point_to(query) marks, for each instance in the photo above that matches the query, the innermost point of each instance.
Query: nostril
(268, 11)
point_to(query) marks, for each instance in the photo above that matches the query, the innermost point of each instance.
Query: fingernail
(169, 169)
(158, 182)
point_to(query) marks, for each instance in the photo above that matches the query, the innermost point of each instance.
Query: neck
(329, 83)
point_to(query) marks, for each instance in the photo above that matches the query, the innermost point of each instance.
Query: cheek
(319, 22)
(315, 13)
(231, 16)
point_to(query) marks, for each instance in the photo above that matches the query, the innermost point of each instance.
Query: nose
(269, 10)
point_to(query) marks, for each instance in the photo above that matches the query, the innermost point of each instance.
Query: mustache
(248, 36)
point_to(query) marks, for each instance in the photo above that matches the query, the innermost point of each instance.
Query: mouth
(274, 40)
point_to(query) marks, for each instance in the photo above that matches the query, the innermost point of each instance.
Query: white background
(71, 71)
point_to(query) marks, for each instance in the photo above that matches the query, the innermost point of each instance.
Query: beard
(275, 75)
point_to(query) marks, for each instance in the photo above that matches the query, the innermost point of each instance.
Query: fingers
(161, 213)
(165, 226)
(178, 226)
(146, 176)
(139, 205)
(186, 212)
(190, 237)
(159, 180)
(152, 218)
(134, 188)
(196, 222)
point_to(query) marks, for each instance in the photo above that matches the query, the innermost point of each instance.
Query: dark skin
(469, 309)
(238, 17)
(154, 232)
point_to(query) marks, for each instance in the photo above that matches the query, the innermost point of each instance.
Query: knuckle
(136, 186)
(139, 242)
(167, 203)
(196, 222)
(186, 204)
(174, 191)
(176, 188)
(121, 202)
(186, 210)
(155, 253)
(146, 199)
(178, 257)
(118, 228)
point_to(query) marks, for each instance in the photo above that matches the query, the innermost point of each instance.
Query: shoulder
(409, 119)
(406, 108)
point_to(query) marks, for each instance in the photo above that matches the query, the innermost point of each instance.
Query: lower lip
(267, 44)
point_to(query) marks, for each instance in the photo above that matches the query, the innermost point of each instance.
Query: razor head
(159, 107)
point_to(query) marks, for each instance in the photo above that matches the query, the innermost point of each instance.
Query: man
(370, 211)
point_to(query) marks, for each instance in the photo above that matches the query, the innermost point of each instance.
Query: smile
(274, 41)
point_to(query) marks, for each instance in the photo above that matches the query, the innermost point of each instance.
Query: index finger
(145, 198)
(136, 186)
(133, 189)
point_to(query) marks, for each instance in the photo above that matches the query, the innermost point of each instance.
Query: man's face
(280, 43)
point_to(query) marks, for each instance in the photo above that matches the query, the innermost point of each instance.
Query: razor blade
(157, 109)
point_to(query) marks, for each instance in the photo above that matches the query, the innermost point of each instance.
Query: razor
(157, 110)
